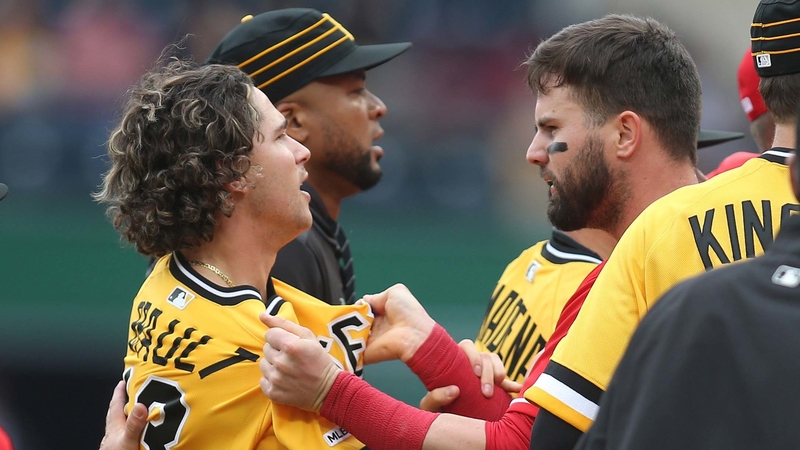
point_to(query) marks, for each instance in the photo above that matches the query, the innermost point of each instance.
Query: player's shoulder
(759, 179)
(532, 252)
(560, 253)
(175, 288)
(764, 174)
(717, 293)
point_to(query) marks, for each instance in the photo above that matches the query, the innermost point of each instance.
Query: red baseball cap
(751, 99)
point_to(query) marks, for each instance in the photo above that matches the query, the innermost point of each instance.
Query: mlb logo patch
(763, 60)
(180, 297)
(336, 436)
(531, 272)
(787, 276)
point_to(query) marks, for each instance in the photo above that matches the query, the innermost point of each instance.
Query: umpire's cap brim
(707, 138)
(365, 57)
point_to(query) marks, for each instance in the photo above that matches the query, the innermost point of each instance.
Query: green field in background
(67, 281)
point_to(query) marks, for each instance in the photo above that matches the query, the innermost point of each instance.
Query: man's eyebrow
(544, 120)
(280, 128)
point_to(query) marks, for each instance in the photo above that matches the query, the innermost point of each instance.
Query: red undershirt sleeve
(374, 418)
(511, 432)
(440, 362)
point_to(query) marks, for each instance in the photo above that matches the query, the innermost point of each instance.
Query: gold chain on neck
(213, 269)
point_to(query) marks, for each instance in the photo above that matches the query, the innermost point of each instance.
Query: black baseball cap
(707, 138)
(775, 37)
(285, 49)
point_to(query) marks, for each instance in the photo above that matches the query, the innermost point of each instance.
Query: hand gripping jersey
(733, 216)
(193, 354)
(528, 300)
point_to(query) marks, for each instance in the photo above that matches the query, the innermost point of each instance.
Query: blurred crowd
(459, 111)
(67, 64)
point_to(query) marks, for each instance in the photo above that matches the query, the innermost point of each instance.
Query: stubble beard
(349, 159)
(588, 195)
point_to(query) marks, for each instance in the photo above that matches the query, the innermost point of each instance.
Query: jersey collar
(777, 155)
(180, 268)
(561, 249)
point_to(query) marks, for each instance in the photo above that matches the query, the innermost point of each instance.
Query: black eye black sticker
(557, 147)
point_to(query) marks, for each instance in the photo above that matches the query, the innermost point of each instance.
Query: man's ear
(628, 128)
(236, 186)
(297, 120)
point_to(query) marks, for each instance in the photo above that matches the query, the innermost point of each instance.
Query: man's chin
(368, 181)
(564, 221)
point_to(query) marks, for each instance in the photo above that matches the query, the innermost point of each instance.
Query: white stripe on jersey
(572, 256)
(275, 303)
(521, 400)
(210, 288)
(568, 396)
(777, 153)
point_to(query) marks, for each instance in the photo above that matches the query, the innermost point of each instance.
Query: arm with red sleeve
(441, 362)
(298, 372)
(356, 406)
(375, 418)
(512, 430)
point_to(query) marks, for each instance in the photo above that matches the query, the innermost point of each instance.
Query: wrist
(374, 418)
(329, 376)
(415, 340)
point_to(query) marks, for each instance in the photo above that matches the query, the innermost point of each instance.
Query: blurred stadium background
(458, 200)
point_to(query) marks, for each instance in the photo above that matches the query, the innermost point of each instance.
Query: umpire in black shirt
(314, 73)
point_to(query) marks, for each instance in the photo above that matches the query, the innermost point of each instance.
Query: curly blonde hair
(186, 132)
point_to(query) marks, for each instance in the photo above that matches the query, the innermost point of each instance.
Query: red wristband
(440, 362)
(374, 418)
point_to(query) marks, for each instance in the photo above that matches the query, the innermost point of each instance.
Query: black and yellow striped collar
(777, 155)
(561, 249)
(180, 268)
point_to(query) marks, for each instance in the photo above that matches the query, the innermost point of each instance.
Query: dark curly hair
(186, 132)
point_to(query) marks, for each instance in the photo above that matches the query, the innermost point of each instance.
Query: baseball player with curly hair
(204, 177)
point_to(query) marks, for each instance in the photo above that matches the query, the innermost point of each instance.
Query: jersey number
(166, 395)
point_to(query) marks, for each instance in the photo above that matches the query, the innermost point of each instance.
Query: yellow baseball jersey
(528, 300)
(734, 215)
(193, 354)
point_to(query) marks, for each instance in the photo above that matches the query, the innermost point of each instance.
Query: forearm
(381, 422)
(452, 432)
(374, 418)
(441, 362)
(448, 431)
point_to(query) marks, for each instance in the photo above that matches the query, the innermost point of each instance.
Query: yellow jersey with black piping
(193, 351)
(732, 216)
(528, 299)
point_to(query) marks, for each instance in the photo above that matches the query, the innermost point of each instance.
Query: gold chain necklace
(213, 269)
